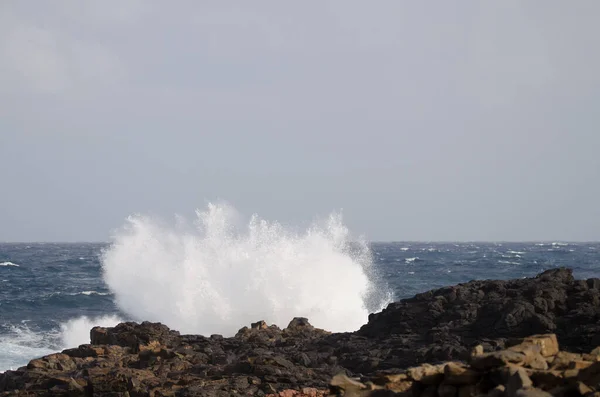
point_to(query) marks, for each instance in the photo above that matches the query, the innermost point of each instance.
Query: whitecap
(8, 264)
(92, 293)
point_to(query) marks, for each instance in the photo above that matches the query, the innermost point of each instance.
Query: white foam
(76, 332)
(20, 344)
(8, 264)
(216, 277)
(88, 293)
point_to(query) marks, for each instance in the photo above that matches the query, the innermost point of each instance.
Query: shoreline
(438, 326)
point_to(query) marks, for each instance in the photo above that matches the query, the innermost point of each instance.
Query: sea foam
(215, 276)
(76, 332)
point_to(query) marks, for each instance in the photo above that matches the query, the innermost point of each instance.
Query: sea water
(219, 272)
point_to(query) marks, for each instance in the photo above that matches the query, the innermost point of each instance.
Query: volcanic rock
(497, 338)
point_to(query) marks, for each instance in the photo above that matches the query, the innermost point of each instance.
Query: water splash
(215, 277)
(76, 332)
(19, 344)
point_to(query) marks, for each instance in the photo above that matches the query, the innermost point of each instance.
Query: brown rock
(562, 360)
(58, 361)
(571, 374)
(497, 359)
(538, 362)
(590, 375)
(427, 374)
(477, 351)
(583, 389)
(305, 392)
(459, 374)
(299, 323)
(548, 344)
(152, 346)
(532, 352)
(579, 364)
(547, 380)
(517, 381)
(84, 351)
(595, 352)
(259, 325)
(382, 379)
(344, 383)
(401, 386)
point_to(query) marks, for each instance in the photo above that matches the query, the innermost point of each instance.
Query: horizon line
(541, 241)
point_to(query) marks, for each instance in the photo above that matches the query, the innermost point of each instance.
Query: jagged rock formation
(149, 359)
(529, 367)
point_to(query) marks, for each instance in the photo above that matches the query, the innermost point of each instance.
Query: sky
(447, 121)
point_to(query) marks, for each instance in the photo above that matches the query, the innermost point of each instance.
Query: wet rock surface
(479, 326)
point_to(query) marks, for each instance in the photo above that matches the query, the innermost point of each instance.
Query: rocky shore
(497, 338)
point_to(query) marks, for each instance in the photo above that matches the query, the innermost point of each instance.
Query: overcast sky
(465, 120)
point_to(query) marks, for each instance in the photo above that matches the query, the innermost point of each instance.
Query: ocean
(215, 281)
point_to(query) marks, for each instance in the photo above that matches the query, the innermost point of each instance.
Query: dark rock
(552, 302)
(472, 322)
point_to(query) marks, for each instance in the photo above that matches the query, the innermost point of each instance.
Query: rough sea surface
(52, 294)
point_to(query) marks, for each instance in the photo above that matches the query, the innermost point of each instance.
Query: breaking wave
(19, 344)
(215, 276)
(76, 332)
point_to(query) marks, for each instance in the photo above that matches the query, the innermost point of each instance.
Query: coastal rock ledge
(495, 338)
